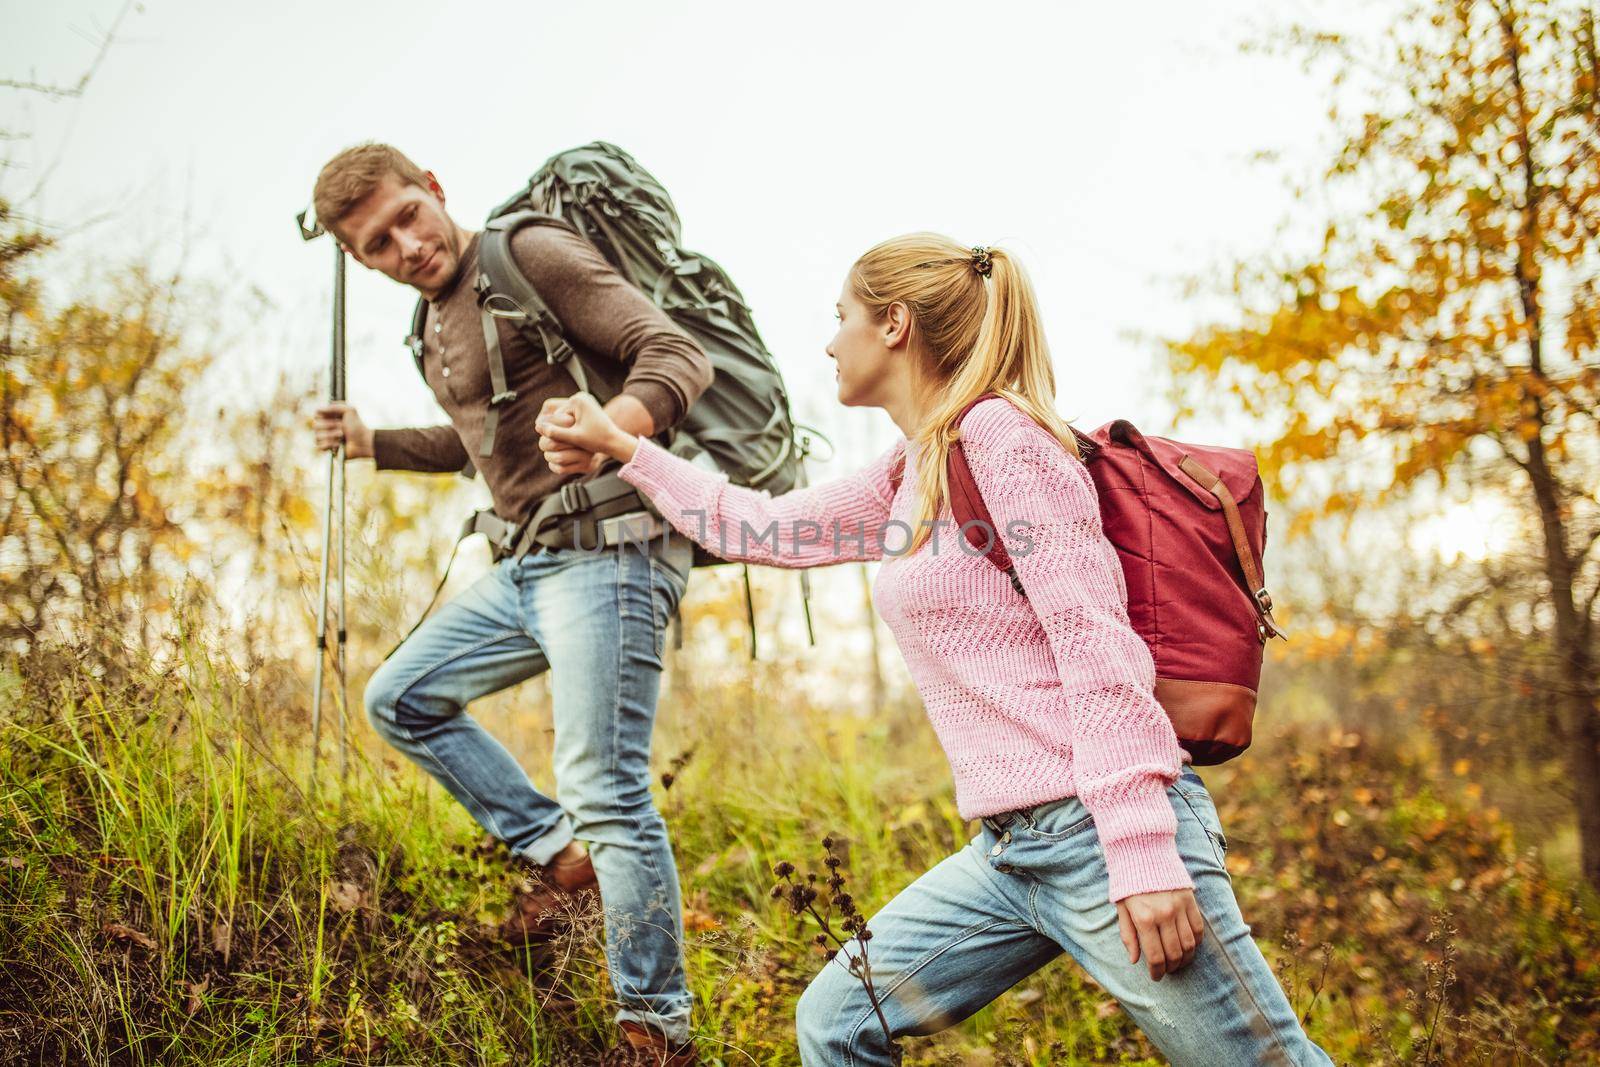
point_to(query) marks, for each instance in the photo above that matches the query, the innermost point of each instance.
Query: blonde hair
(970, 334)
(347, 178)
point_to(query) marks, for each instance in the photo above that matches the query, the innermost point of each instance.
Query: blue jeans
(1031, 885)
(597, 621)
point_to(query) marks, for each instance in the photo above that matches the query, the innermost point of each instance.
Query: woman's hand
(576, 434)
(1165, 927)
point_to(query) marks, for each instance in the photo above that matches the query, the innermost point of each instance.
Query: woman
(1097, 839)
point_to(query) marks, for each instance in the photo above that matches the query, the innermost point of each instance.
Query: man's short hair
(348, 177)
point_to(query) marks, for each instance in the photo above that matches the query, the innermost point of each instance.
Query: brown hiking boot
(643, 1047)
(550, 898)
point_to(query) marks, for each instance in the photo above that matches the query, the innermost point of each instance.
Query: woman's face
(864, 350)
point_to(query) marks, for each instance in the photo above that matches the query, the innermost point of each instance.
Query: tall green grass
(168, 896)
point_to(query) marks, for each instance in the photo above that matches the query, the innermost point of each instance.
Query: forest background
(1360, 239)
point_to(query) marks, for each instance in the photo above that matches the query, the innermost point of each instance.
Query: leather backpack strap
(971, 514)
(1241, 545)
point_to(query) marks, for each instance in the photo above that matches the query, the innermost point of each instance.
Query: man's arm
(605, 314)
(432, 449)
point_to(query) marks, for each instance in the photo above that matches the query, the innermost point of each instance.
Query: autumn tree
(91, 398)
(1448, 319)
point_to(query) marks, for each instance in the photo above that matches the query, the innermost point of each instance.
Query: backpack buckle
(638, 527)
(502, 398)
(1016, 582)
(574, 497)
(1266, 626)
(514, 312)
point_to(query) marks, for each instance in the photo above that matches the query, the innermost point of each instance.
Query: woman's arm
(1124, 750)
(835, 522)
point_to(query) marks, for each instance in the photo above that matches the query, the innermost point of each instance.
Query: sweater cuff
(647, 467)
(1145, 864)
(383, 450)
(1138, 831)
(658, 399)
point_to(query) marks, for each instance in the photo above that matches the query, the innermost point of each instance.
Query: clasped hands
(577, 435)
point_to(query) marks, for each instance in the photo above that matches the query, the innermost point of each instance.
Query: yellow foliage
(1423, 318)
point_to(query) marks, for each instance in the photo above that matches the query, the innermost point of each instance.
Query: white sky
(1108, 143)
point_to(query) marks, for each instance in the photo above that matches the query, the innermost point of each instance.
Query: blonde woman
(1097, 839)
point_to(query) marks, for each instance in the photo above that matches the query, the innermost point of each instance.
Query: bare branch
(62, 92)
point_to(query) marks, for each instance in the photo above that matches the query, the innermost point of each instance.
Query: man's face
(403, 231)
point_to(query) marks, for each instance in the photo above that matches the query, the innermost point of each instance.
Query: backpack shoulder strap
(505, 292)
(971, 513)
(419, 322)
(966, 501)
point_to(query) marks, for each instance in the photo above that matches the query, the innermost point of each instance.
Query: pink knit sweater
(1034, 699)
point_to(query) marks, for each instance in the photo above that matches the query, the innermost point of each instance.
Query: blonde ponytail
(975, 329)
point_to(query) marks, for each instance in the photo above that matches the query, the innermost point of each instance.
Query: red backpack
(1190, 526)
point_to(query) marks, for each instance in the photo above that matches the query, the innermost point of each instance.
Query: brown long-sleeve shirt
(623, 339)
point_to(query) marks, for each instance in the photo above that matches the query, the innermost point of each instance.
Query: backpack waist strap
(592, 514)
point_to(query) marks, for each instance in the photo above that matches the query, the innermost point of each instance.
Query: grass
(168, 897)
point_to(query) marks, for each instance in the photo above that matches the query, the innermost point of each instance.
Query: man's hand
(1165, 927)
(338, 424)
(577, 435)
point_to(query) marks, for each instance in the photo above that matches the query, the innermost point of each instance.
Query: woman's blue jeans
(597, 621)
(1031, 885)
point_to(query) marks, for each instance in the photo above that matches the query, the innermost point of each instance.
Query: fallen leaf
(119, 932)
(345, 896)
(196, 991)
(222, 938)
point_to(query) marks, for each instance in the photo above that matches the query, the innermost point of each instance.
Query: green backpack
(741, 424)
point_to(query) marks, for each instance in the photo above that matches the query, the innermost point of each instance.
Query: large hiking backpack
(1189, 524)
(741, 424)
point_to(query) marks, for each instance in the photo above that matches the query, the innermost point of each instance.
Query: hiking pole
(310, 231)
(339, 395)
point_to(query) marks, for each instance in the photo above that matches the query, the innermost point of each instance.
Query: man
(594, 619)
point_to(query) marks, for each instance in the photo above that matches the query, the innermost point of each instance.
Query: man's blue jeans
(1029, 886)
(597, 621)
